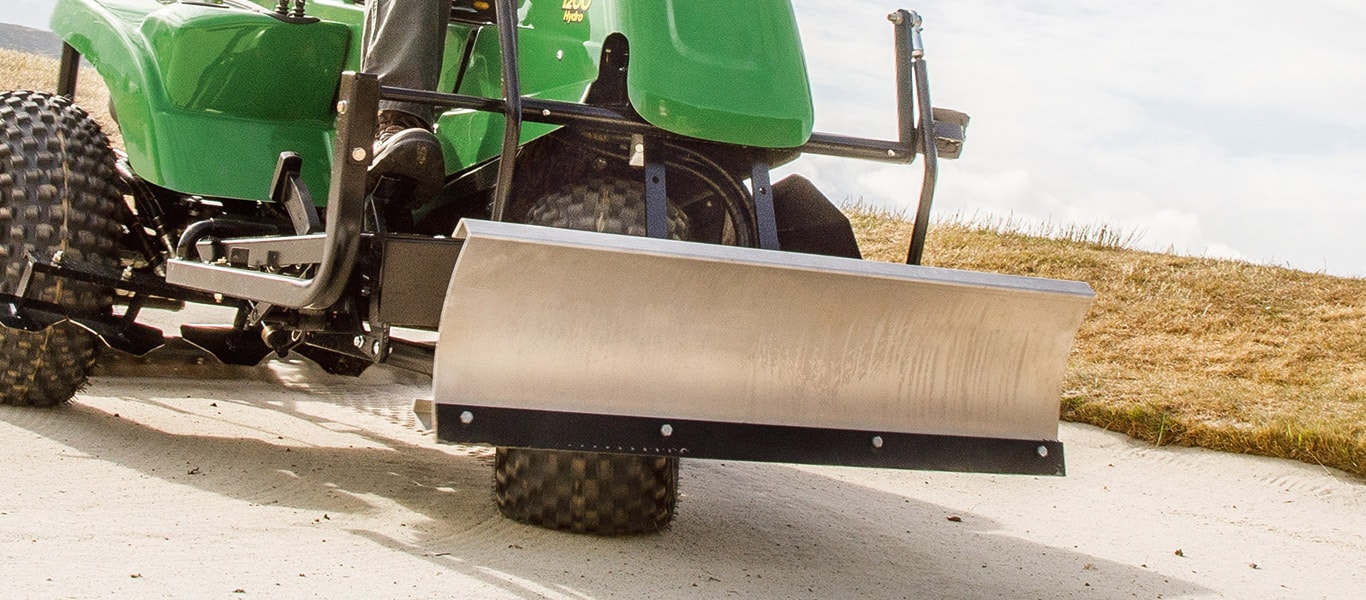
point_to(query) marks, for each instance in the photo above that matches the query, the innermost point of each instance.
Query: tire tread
(57, 193)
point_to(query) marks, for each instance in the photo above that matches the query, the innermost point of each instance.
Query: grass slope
(1176, 350)
(1180, 350)
(23, 71)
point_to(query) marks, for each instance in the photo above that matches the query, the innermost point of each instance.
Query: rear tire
(57, 194)
(588, 492)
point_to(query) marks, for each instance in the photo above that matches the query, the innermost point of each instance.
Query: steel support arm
(356, 114)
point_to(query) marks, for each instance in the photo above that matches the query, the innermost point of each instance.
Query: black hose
(219, 228)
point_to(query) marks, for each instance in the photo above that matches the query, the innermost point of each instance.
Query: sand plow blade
(570, 340)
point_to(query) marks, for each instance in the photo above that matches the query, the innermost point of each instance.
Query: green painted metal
(208, 94)
(720, 69)
(558, 62)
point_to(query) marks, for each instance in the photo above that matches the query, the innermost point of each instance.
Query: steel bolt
(374, 348)
(877, 441)
(342, 105)
(897, 19)
(466, 417)
(666, 430)
(1043, 451)
(359, 341)
(359, 154)
(545, 112)
(891, 153)
(57, 257)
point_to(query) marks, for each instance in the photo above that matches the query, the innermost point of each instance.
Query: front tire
(57, 194)
(591, 492)
(586, 492)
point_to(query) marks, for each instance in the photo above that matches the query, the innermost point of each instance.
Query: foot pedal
(288, 189)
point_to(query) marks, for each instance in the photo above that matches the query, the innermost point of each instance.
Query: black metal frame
(360, 94)
(122, 332)
(67, 70)
(916, 127)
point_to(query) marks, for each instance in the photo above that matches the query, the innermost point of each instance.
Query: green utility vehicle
(613, 280)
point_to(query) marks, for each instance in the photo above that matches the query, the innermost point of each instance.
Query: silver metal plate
(557, 320)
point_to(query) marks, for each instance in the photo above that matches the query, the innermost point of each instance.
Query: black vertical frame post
(763, 205)
(506, 13)
(656, 190)
(913, 96)
(68, 69)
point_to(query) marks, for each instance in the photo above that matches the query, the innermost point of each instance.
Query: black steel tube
(139, 283)
(506, 12)
(613, 120)
(537, 110)
(922, 212)
(861, 148)
(912, 93)
(905, 77)
(68, 69)
(913, 96)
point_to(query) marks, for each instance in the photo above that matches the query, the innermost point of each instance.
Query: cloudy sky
(1231, 128)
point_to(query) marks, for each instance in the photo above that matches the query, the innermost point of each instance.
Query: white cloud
(1232, 126)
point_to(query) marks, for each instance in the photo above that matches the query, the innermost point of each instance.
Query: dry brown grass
(1176, 350)
(1180, 350)
(20, 71)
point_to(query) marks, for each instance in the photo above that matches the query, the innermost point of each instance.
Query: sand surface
(284, 482)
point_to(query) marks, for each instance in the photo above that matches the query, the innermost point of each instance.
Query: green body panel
(720, 69)
(558, 62)
(208, 96)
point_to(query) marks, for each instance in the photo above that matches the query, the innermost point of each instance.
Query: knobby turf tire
(57, 194)
(602, 204)
(587, 492)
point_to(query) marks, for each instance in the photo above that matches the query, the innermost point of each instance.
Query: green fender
(207, 96)
(211, 122)
(723, 70)
(718, 70)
